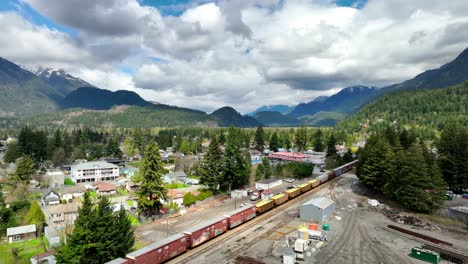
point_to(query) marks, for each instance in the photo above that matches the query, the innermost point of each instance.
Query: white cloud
(241, 53)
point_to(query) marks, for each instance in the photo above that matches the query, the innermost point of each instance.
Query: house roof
(79, 188)
(50, 252)
(176, 174)
(21, 230)
(94, 165)
(105, 187)
(62, 208)
(320, 202)
(45, 192)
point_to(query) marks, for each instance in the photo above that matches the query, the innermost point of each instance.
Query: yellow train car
(280, 198)
(293, 192)
(264, 206)
(305, 187)
(314, 183)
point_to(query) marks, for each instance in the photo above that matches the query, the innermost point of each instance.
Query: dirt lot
(354, 238)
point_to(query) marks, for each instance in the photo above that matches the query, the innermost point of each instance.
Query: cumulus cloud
(241, 53)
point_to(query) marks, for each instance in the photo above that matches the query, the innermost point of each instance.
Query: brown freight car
(205, 231)
(305, 187)
(241, 215)
(264, 206)
(293, 192)
(160, 251)
(280, 198)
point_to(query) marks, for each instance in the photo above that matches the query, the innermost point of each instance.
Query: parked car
(288, 180)
(322, 170)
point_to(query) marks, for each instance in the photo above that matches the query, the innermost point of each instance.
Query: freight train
(175, 245)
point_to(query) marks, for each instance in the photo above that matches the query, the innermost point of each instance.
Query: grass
(121, 191)
(193, 177)
(135, 221)
(68, 182)
(136, 164)
(27, 249)
(176, 185)
(93, 194)
(129, 202)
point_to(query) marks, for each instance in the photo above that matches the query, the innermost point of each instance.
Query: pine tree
(318, 144)
(210, 170)
(259, 138)
(12, 153)
(301, 138)
(236, 165)
(152, 191)
(274, 144)
(24, 169)
(267, 171)
(331, 149)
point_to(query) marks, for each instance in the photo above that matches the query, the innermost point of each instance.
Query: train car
(160, 251)
(118, 261)
(241, 215)
(280, 198)
(323, 178)
(205, 231)
(314, 183)
(305, 187)
(264, 206)
(293, 192)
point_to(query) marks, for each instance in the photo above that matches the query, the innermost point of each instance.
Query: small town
(233, 132)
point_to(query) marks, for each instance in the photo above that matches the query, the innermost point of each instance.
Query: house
(21, 233)
(44, 258)
(178, 176)
(50, 197)
(52, 236)
(105, 188)
(94, 171)
(54, 178)
(176, 197)
(68, 193)
(132, 186)
(267, 184)
(61, 215)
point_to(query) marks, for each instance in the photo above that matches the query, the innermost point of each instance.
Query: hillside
(269, 118)
(23, 93)
(347, 101)
(100, 99)
(426, 111)
(63, 82)
(283, 109)
(228, 116)
(322, 119)
(124, 117)
(452, 73)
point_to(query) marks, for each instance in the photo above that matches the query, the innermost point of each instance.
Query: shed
(46, 257)
(317, 209)
(266, 184)
(21, 233)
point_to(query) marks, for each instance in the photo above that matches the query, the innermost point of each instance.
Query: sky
(206, 54)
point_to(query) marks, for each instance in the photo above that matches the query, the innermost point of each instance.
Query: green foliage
(264, 170)
(318, 141)
(99, 235)
(298, 170)
(35, 216)
(189, 199)
(274, 142)
(12, 153)
(259, 138)
(24, 169)
(210, 169)
(68, 182)
(236, 165)
(176, 185)
(301, 138)
(113, 149)
(152, 189)
(408, 175)
(453, 150)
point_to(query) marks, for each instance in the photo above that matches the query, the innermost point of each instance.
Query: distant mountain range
(63, 82)
(273, 118)
(283, 109)
(228, 116)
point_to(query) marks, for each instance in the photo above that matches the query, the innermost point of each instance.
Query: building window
(17, 237)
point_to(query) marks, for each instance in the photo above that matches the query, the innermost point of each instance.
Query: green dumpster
(326, 227)
(425, 255)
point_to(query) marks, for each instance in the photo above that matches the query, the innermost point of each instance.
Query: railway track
(193, 253)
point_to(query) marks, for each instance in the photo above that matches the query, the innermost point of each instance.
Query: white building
(54, 178)
(94, 171)
(317, 209)
(267, 184)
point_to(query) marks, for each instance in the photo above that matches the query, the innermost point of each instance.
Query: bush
(18, 205)
(189, 199)
(68, 182)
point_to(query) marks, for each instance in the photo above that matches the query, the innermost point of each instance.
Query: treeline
(395, 163)
(426, 112)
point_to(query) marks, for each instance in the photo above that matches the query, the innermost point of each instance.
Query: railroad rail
(412, 233)
(255, 221)
(451, 254)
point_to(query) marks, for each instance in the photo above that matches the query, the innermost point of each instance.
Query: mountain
(100, 99)
(425, 110)
(452, 73)
(283, 109)
(273, 118)
(23, 93)
(322, 119)
(347, 101)
(63, 82)
(228, 116)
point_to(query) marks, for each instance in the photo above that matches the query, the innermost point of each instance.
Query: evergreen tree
(407, 139)
(58, 158)
(318, 144)
(24, 169)
(348, 157)
(67, 145)
(210, 170)
(12, 153)
(301, 138)
(331, 149)
(6, 214)
(236, 166)
(259, 138)
(274, 144)
(36, 216)
(267, 171)
(152, 191)
(57, 139)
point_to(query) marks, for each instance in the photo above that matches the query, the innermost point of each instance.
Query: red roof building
(287, 156)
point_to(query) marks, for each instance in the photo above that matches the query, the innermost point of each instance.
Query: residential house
(105, 188)
(54, 178)
(178, 176)
(68, 193)
(52, 236)
(61, 215)
(44, 258)
(176, 196)
(50, 197)
(132, 186)
(267, 184)
(94, 171)
(21, 233)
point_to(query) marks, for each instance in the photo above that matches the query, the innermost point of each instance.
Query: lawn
(136, 164)
(121, 191)
(135, 220)
(27, 249)
(194, 177)
(176, 185)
